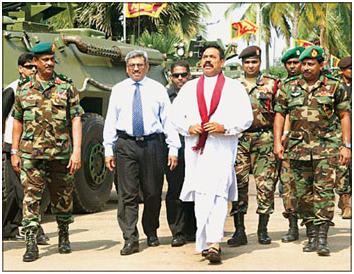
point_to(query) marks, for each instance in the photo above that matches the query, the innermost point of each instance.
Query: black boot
(293, 232)
(239, 237)
(64, 244)
(312, 235)
(31, 245)
(42, 239)
(262, 232)
(323, 248)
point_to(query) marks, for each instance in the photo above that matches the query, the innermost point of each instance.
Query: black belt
(260, 129)
(124, 135)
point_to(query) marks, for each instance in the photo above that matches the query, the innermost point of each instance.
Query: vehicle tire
(93, 182)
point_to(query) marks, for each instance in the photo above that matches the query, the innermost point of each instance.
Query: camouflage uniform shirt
(262, 97)
(313, 115)
(42, 108)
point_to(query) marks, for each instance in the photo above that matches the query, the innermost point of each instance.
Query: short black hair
(213, 45)
(24, 58)
(180, 63)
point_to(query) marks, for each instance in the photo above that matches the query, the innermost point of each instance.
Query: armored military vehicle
(95, 64)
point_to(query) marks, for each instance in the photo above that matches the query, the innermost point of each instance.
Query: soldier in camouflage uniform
(313, 102)
(46, 107)
(255, 149)
(291, 62)
(343, 178)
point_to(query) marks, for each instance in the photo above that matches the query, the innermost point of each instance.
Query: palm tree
(183, 18)
(273, 15)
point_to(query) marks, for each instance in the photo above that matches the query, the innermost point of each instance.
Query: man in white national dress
(211, 112)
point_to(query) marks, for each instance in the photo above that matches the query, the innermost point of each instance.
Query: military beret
(292, 53)
(43, 48)
(313, 52)
(345, 62)
(252, 51)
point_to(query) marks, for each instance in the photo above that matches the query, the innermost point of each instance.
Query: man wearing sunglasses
(12, 207)
(46, 146)
(180, 215)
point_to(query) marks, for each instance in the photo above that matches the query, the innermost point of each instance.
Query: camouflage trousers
(315, 182)
(35, 174)
(288, 188)
(255, 155)
(343, 180)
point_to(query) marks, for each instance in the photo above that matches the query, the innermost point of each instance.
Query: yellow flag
(239, 29)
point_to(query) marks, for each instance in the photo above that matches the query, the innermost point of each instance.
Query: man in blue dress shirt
(134, 141)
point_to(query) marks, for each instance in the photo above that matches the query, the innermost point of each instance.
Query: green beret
(292, 53)
(345, 62)
(43, 48)
(252, 51)
(313, 52)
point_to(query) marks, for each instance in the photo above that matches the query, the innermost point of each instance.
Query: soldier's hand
(214, 127)
(110, 162)
(344, 155)
(16, 163)
(279, 150)
(195, 129)
(74, 162)
(172, 162)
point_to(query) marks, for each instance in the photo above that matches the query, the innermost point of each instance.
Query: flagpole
(124, 22)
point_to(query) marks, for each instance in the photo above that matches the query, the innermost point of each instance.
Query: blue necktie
(138, 122)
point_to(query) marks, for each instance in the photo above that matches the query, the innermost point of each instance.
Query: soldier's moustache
(208, 63)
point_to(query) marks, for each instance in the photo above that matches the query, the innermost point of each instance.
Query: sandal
(214, 255)
(205, 252)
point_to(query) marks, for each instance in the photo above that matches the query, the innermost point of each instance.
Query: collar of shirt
(141, 82)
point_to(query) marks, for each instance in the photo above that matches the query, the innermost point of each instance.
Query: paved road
(97, 240)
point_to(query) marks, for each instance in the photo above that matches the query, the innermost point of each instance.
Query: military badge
(314, 53)
(257, 52)
(298, 53)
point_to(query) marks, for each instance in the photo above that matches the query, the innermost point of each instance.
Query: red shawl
(203, 108)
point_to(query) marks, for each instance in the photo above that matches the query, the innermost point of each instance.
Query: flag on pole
(239, 29)
(149, 9)
(303, 43)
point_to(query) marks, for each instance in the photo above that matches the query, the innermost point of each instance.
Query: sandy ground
(96, 241)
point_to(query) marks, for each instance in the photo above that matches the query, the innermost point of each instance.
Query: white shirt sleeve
(109, 130)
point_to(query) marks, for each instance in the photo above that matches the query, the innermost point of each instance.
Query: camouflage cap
(292, 53)
(252, 51)
(43, 48)
(313, 52)
(345, 62)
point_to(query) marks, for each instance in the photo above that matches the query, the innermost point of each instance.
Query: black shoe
(323, 248)
(293, 232)
(214, 255)
(262, 232)
(205, 252)
(31, 253)
(42, 239)
(239, 238)
(153, 241)
(178, 241)
(189, 237)
(130, 248)
(312, 234)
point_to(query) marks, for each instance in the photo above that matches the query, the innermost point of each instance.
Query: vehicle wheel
(93, 182)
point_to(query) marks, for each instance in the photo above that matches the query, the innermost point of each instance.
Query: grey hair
(136, 53)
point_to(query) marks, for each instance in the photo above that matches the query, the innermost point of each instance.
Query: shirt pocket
(266, 101)
(295, 138)
(29, 110)
(325, 105)
(59, 106)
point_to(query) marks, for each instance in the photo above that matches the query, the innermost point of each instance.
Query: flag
(239, 29)
(149, 9)
(333, 61)
(303, 43)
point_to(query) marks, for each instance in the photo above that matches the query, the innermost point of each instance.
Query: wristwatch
(348, 145)
(14, 151)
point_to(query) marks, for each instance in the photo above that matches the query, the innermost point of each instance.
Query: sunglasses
(183, 74)
(30, 66)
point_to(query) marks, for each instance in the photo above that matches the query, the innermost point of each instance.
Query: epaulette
(64, 78)
(330, 76)
(269, 76)
(287, 80)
